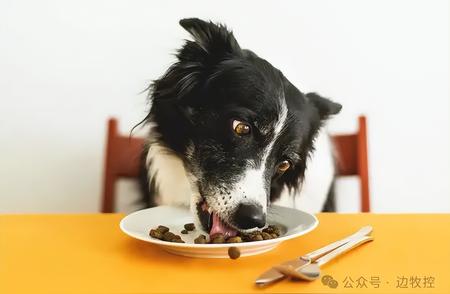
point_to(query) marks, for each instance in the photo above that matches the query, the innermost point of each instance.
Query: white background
(67, 66)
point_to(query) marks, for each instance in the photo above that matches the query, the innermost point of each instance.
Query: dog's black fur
(214, 82)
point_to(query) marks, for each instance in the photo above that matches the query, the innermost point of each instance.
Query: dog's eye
(283, 166)
(241, 128)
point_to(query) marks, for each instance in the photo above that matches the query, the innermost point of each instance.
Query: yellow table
(87, 253)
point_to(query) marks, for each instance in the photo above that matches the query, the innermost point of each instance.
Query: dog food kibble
(189, 227)
(217, 239)
(168, 236)
(184, 232)
(245, 237)
(233, 252)
(236, 239)
(266, 236)
(257, 237)
(276, 230)
(200, 239)
(272, 230)
(162, 229)
(156, 234)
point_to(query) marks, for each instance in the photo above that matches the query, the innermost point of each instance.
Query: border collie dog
(230, 135)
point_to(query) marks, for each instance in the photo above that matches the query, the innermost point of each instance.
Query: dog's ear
(182, 82)
(215, 40)
(325, 107)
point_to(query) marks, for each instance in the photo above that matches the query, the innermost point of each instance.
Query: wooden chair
(122, 160)
(351, 159)
(123, 153)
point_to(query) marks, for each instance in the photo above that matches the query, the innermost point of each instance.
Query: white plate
(292, 222)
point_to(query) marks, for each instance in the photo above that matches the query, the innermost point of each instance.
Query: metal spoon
(311, 271)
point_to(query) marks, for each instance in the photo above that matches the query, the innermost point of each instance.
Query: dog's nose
(249, 216)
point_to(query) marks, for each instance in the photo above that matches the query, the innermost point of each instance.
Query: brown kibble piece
(257, 237)
(184, 232)
(162, 229)
(235, 239)
(234, 253)
(217, 239)
(156, 234)
(251, 235)
(176, 239)
(168, 236)
(267, 230)
(274, 235)
(189, 227)
(274, 229)
(245, 237)
(266, 236)
(200, 240)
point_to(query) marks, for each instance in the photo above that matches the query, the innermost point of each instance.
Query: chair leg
(363, 166)
(109, 176)
(108, 194)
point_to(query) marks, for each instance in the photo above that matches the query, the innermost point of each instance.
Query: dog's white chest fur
(173, 187)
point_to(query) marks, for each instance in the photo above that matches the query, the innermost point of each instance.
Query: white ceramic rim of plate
(221, 245)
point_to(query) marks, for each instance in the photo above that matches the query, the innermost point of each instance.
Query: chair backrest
(123, 154)
(122, 160)
(351, 159)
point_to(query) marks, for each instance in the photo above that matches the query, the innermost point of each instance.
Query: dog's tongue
(218, 227)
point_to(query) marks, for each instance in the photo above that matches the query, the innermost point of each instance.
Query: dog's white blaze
(252, 186)
(282, 117)
(170, 177)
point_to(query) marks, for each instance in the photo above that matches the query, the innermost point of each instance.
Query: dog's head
(242, 129)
